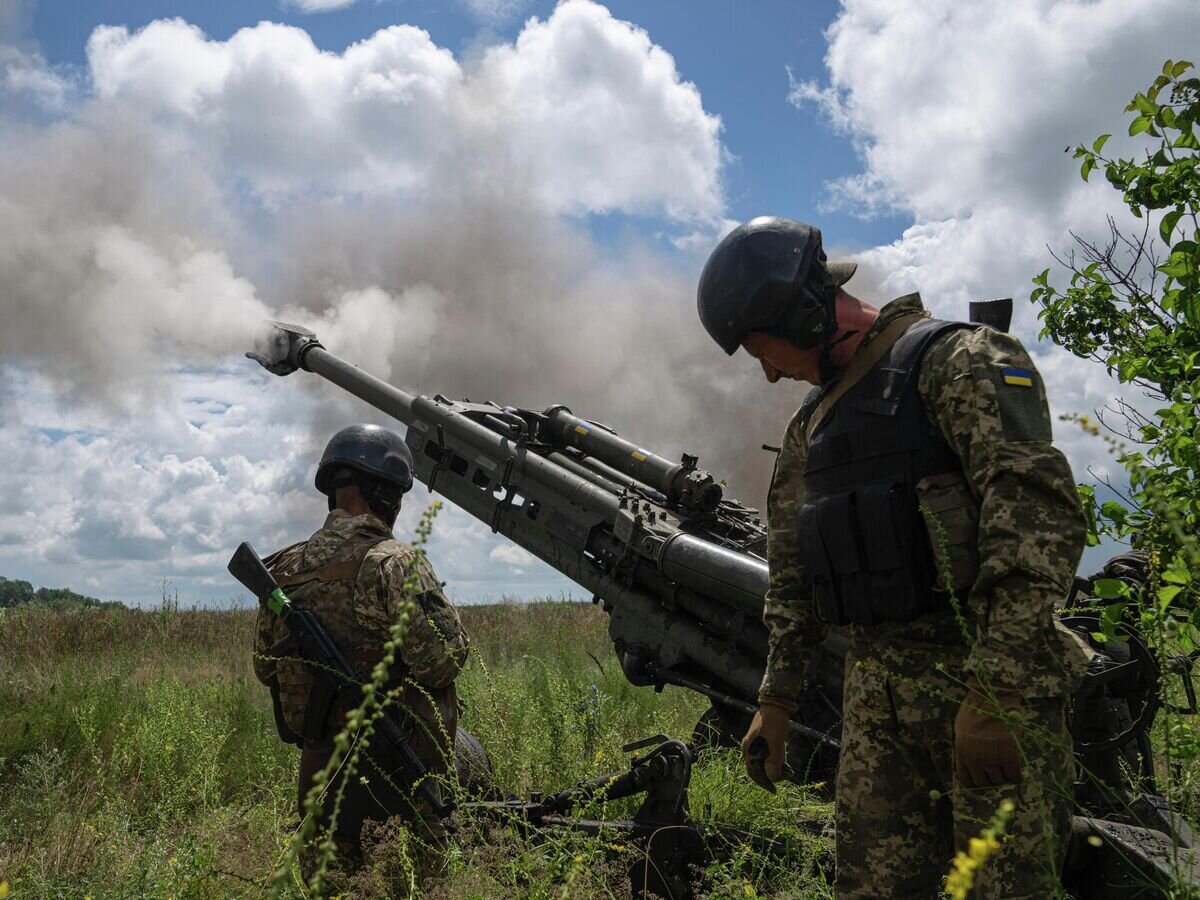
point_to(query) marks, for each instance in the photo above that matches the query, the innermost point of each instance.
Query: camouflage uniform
(900, 814)
(353, 575)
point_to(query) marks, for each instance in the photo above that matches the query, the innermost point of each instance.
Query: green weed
(138, 758)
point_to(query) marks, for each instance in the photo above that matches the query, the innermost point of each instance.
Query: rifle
(313, 642)
(679, 569)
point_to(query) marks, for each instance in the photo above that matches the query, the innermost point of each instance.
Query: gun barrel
(375, 391)
(410, 410)
(682, 601)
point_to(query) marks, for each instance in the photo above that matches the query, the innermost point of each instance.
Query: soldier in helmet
(917, 503)
(358, 579)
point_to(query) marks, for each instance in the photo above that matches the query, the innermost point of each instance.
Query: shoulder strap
(860, 365)
(273, 558)
(335, 571)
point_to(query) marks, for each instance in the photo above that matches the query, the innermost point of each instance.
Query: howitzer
(679, 568)
(680, 571)
(308, 638)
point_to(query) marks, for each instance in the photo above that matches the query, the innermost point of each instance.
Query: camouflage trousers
(901, 816)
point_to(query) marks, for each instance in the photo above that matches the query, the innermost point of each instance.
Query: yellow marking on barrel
(581, 430)
(638, 455)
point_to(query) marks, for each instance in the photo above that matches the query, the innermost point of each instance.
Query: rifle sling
(862, 362)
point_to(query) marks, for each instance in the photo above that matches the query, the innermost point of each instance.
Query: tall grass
(138, 758)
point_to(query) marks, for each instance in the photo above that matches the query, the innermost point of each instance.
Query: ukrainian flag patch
(1019, 377)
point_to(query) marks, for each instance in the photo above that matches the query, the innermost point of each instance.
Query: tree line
(14, 592)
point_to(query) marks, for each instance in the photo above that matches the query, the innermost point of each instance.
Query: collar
(901, 306)
(366, 525)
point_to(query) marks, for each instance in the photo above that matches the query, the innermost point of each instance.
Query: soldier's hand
(985, 737)
(764, 747)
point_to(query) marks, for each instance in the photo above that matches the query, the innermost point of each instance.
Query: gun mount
(680, 570)
(672, 846)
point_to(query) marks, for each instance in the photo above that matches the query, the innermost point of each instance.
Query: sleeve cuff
(785, 684)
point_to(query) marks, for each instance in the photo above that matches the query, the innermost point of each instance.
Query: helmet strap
(382, 498)
(798, 325)
(343, 482)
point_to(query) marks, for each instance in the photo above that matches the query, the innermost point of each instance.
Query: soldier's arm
(789, 616)
(435, 643)
(983, 392)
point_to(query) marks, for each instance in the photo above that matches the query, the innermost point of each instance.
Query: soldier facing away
(359, 580)
(917, 503)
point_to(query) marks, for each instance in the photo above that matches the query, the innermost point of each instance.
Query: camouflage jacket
(358, 611)
(1031, 532)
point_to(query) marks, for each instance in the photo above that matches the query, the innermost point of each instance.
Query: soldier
(358, 580)
(918, 504)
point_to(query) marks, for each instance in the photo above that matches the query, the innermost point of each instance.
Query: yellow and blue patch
(1018, 377)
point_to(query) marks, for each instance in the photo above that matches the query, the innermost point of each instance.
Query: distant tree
(1133, 304)
(13, 593)
(16, 593)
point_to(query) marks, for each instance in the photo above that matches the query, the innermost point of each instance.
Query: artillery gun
(680, 571)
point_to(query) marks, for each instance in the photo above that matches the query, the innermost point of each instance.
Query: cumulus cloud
(511, 555)
(583, 111)
(26, 79)
(126, 507)
(967, 138)
(197, 150)
(422, 217)
(997, 91)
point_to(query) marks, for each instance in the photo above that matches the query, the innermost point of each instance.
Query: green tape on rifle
(278, 601)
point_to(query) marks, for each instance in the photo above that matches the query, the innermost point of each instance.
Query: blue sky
(737, 54)
(513, 206)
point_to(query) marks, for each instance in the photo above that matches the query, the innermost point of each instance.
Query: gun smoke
(139, 246)
(117, 272)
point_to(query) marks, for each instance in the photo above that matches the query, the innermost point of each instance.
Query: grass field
(138, 758)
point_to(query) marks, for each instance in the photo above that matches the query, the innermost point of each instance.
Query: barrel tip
(279, 348)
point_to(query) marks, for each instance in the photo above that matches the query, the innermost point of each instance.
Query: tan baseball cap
(841, 271)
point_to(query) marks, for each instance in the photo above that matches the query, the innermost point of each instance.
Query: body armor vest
(312, 701)
(872, 464)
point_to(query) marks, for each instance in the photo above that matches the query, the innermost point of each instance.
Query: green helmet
(770, 274)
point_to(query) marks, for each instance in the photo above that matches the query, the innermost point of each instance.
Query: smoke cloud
(424, 219)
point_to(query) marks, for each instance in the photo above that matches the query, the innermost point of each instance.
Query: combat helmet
(770, 274)
(381, 463)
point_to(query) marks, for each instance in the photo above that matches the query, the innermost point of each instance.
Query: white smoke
(422, 217)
